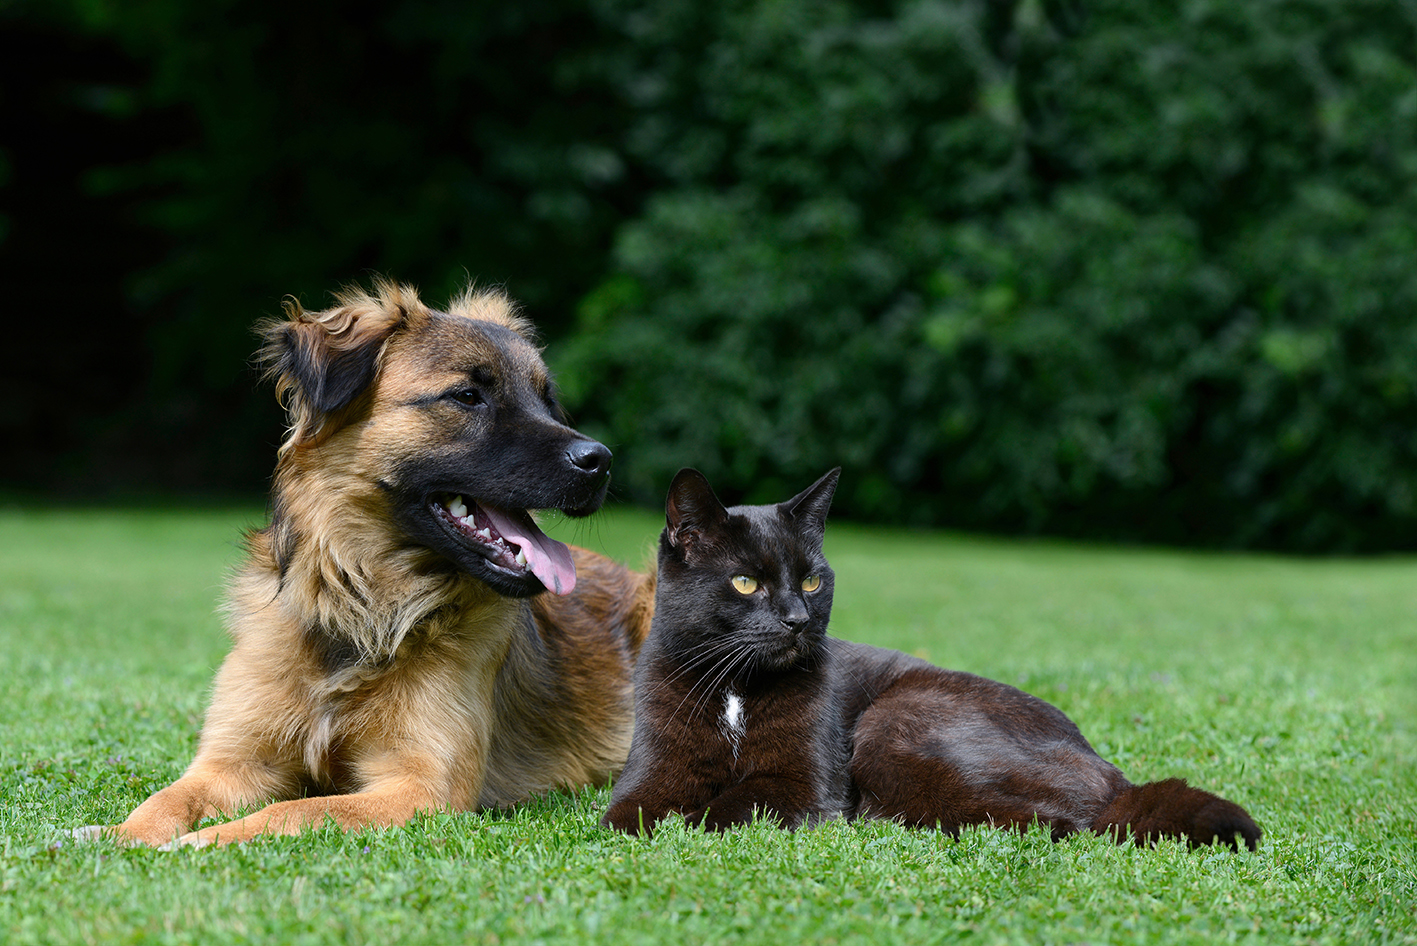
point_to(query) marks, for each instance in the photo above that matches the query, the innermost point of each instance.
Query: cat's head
(753, 578)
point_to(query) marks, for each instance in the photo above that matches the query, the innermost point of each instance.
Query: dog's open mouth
(510, 541)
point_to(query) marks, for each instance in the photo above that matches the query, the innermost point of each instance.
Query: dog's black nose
(589, 457)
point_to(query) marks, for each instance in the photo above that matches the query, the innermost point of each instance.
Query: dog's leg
(388, 804)
(428, 752)
(208, 789)
(396, 786)
(243, 760)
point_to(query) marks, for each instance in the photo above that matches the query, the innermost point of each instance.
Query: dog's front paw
(95, 832)
(190, 839)
(124, 834)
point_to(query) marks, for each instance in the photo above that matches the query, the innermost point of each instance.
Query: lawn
(1287, 685)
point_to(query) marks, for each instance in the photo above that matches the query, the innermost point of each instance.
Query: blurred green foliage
(1083, 267)
(1117, 270)
(256, 149)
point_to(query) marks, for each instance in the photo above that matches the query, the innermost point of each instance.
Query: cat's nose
(795, 617)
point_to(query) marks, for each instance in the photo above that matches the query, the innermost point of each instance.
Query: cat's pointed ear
(810, 506)
(691, 509)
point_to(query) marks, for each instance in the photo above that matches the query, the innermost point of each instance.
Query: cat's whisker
(703, 655)
(719, 656)
(848, 669)
(726, 669)
(720, 671)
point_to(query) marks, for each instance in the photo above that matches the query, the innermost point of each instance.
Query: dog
(394, 648)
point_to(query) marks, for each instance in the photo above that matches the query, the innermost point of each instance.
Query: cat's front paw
(723, 817)
(628, 818)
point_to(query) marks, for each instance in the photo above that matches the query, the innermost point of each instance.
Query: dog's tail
(1173, 809)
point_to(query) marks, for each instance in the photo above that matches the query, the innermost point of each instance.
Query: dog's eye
(468, 397)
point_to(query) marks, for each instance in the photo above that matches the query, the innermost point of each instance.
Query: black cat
(744, 705)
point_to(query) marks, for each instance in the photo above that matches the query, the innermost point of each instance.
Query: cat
(745, 708)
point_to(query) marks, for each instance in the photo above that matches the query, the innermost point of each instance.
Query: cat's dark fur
(743, 705)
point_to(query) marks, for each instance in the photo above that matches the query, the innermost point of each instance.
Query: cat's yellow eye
(744, 585)
(811, 583)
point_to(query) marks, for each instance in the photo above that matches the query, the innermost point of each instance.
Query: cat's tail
(1173, 809)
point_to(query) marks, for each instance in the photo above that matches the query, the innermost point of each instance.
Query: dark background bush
(1103, 269)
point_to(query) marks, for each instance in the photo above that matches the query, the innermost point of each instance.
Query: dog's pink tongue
(548, 559)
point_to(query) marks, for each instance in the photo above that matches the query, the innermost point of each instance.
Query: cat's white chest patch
(735, 721)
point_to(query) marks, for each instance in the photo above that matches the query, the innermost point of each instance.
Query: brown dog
(392, 651)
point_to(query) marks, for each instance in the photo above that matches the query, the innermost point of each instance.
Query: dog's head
(446, 422)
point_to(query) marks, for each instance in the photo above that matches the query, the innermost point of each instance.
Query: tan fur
(437, 696)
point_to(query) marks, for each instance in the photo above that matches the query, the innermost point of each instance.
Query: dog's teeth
(484, 534)
(521, 558)
(457, 508)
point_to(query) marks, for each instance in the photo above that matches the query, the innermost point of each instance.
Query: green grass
(1290, 686)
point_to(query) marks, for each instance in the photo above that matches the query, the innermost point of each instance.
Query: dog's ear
(691, 511)
(322, 361)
